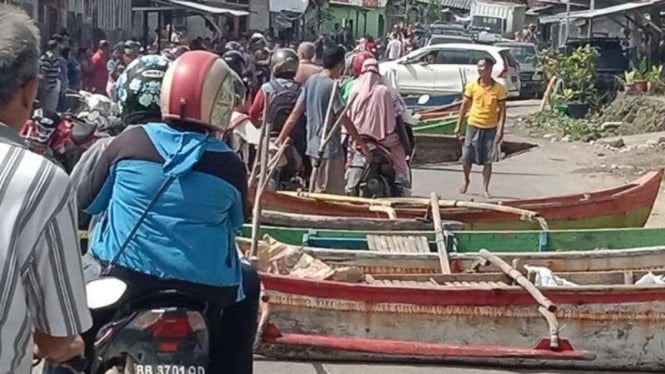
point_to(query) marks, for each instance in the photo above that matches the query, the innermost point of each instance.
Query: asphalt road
(271, 367)
(263, 367)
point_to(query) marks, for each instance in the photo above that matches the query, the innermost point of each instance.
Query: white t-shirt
(394, 49)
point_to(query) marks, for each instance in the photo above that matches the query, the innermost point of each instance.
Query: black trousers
(232, 325)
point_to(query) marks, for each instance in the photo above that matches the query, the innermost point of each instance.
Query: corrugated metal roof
(596, 13)
(457, 4)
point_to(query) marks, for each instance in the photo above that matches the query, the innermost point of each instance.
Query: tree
(433, 10)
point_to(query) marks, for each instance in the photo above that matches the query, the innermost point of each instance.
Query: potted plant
(627, 80)
(654, 80)
(637, 79)
(579, 75)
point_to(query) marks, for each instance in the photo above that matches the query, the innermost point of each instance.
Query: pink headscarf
(374, 115)
(373, 110)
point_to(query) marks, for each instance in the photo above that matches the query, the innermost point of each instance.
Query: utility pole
(567, 22)
(592, 6)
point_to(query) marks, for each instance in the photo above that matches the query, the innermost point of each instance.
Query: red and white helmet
(199, 87)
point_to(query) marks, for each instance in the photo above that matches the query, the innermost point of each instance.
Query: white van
(453, 63)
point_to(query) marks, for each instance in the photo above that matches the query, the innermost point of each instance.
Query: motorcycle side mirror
(423, 99)
(104, 292)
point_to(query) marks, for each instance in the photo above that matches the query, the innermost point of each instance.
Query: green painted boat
(473, 241)
(437, 126)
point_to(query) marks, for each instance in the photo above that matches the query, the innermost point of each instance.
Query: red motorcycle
(64, 137)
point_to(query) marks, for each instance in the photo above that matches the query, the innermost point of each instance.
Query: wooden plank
(438, 230)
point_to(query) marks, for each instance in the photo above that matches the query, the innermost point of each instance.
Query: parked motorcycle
(64, 137)
(162, 332)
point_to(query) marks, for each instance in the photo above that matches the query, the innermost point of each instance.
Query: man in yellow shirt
(485, 104)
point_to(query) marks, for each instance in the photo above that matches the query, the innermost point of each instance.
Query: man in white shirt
(42, 295)
(394, 47)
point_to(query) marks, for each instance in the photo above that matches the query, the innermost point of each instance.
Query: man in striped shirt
(49, 66)
(42, 295)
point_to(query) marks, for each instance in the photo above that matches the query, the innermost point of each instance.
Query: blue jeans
(231, 338)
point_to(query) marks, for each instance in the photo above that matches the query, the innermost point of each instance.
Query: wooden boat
(473, 241)
(624, 206)
(478, 318)
(435, 100)
(437, 126)
(371, 262)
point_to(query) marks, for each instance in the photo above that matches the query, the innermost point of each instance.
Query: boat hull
(436, 100)
(473, 241)
(625, 206)
(623, 326)
(437, 126)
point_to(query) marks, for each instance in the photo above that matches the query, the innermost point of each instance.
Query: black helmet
(284, 63)
(139, 87)
(233, 46)
(236, 61)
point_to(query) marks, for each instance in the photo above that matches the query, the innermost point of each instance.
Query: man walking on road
(485, 103)
(41, 281)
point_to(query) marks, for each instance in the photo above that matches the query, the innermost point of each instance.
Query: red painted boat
(626, 206)
(439, 319)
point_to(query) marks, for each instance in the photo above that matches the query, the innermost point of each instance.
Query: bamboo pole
(262, 159)
(262, 134)
(438, 231)
(520, 279)
(326, 121)
(548, 91)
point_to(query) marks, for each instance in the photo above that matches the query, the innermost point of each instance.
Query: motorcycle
(64, 137)
(161, 332)
(373, 179)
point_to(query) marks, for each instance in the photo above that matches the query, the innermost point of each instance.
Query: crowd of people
(191, 114)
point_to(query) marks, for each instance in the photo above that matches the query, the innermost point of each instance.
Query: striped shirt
(49, 65)
(41, 281)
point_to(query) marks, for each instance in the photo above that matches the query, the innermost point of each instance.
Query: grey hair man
(41, 282)
(307, 67)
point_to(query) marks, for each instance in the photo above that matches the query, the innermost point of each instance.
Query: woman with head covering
(377, 116)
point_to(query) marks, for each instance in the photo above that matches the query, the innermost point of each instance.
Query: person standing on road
(43, 296)
(394, 48)
(314, 101)
(100, 73)
(485, 103)
(49, 66)
(306, 66)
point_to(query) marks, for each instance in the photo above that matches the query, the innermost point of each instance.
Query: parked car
(532, 81)
(453, 62)
(448, 39)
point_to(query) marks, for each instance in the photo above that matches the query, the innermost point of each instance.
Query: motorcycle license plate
(169, 369)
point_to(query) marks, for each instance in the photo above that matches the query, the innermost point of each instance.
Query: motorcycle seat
(167, 298)
(81, 132)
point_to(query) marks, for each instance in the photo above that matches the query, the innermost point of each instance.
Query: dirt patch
(628, 164)
(637, 114)
(627, 115)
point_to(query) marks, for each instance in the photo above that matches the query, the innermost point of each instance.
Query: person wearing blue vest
(172, 197)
